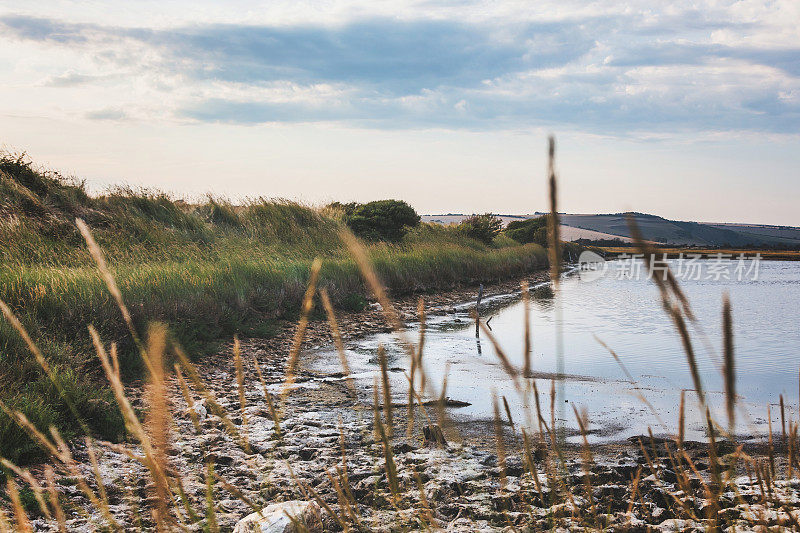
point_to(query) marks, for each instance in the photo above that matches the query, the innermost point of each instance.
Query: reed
(702, 497)
(729, 369)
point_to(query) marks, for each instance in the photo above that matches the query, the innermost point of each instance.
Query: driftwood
(433, 435)
(448, 402)
(478, 311)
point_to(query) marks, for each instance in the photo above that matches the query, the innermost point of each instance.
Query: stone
(274, 519)
(199, 408)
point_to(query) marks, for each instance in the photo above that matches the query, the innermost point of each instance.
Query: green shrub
(527, 231)
(382, 220)
(353, 302)
(483, 228)
(540, 237)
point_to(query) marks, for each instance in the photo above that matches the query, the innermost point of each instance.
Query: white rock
(199, 408)
(273, 519)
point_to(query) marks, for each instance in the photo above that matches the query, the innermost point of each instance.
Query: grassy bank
(209, 270)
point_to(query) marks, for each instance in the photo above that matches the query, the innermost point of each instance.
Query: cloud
(107, 114)
(610, 74)
(71, 79)
(392, 56)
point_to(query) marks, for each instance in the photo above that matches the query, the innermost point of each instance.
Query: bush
(540, 237)
(529, 230)
(382, 220)
(353, 302)
(483, 228)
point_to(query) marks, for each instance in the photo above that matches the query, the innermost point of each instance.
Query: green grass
(208, 270)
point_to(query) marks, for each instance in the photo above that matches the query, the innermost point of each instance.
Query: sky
(685, 109)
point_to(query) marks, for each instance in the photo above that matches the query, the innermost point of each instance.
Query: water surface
(627, 315)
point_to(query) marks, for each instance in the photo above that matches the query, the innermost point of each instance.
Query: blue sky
(689, 110)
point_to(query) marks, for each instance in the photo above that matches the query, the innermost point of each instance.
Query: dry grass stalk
(383, 437)
(510, 369)
(36, 435)
(526, 305)
(237, 493)
(413, 372)
(132, 423)
(237, 361)
(108, 278)
(55, 503)
(211, 400)
(5, 526)
(530, 464)
(371, 277)
(499, 442)
(683, 331)
(158, 420)
(790, 451)
(588, 460)
(337, 340)
(634, 492)
(37, 354)
(441, 413)
(65, 456)
(667, 284)
(270, 404)
(682, 420)
(387, 391)
(211, 513)
(297, 523)
(636, 388)
(30, 480)
(184, 500)
(419, 399)
(305, 310)
(187, 397)
(422, 330)
(344, 501)
(553, 404)
(322, 503)
(98, 479)
(20, 516)
(783, 420)
(391, 315)
(426, 512)
(716, 476)
(771, 447)
(729, 369)
(508, 414)
(553, 230)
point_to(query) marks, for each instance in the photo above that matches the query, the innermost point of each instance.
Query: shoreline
(462, 482)
(675, 252)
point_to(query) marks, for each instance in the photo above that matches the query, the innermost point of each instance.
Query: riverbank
(209, 270)
(326, 438)
(708, 253)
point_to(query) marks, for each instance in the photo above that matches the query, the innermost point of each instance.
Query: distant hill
(661, 230)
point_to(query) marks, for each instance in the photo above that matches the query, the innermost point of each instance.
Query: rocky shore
(326, 465)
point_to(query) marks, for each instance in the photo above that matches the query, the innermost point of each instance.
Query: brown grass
(169, 508)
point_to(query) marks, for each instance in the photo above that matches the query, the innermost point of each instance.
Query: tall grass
(209, 270)
(703, 499)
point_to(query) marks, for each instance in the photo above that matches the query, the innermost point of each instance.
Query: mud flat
(468, 484)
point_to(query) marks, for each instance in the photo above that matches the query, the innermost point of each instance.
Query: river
(621, 308)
